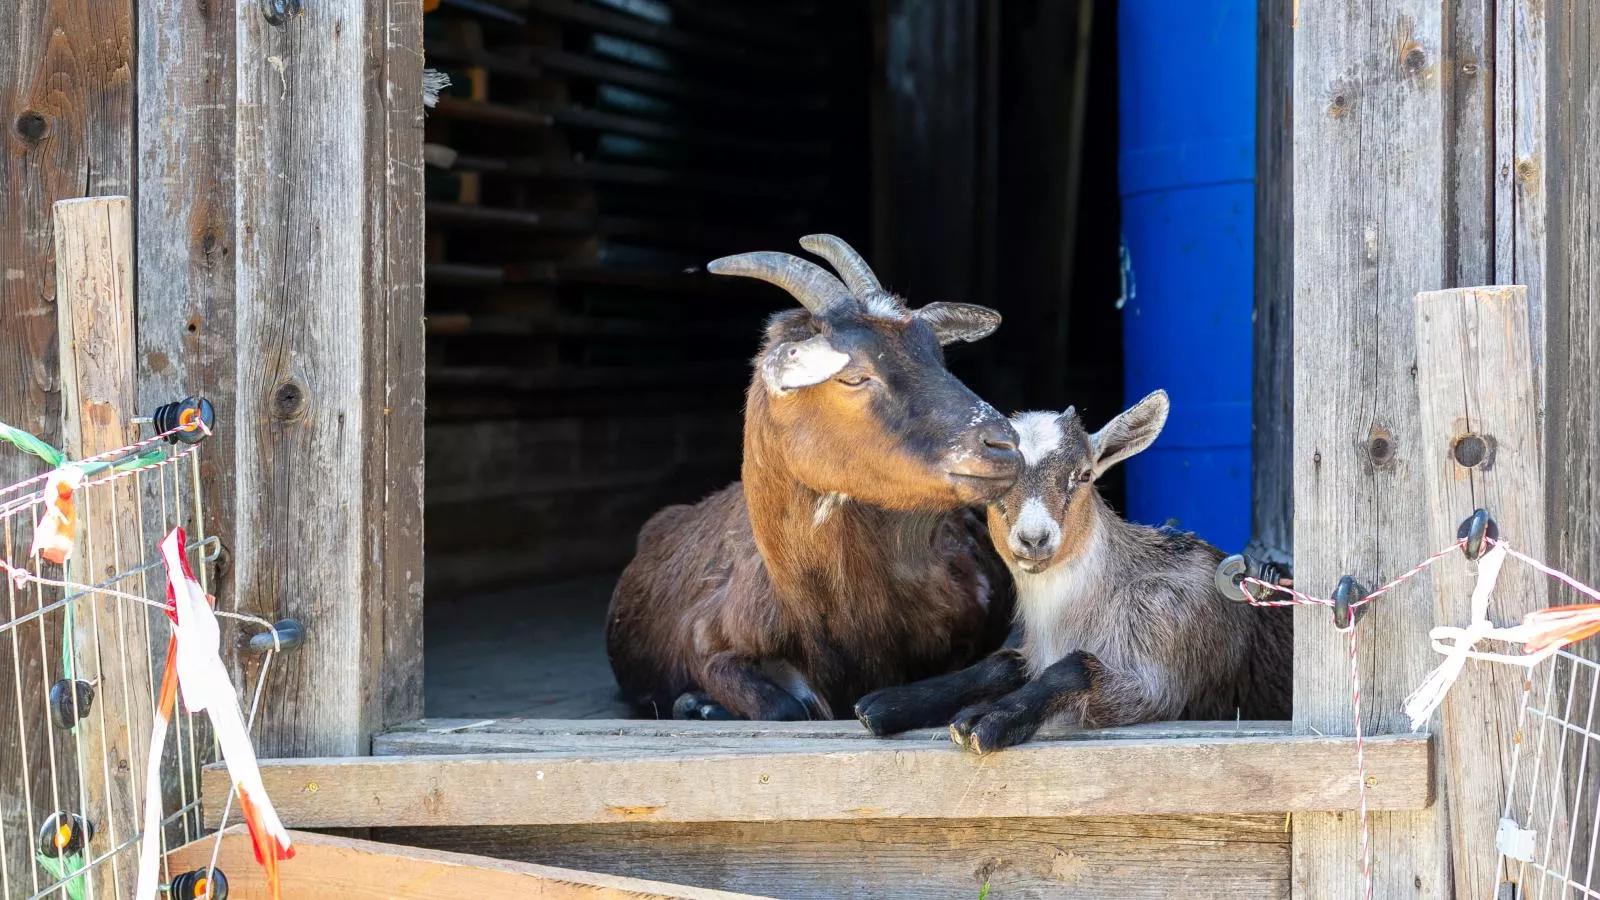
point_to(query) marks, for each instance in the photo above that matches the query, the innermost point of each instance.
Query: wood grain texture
(438, 734)
(326, 866)
(396, 393)
(820, 778)
(1475, 378)
(66, 100)
(329, 356)
(111, 640)
(1272, 412)
(1522, 120)
(185, 230)
(1572, 292)
(1368, 235)
(1134, 858)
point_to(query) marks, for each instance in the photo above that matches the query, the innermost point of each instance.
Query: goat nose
(999, 436)
(1034, 541)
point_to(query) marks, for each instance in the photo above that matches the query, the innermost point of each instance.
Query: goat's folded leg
(738, 685)
(931, 702)
(699, 705)
(1012, 719)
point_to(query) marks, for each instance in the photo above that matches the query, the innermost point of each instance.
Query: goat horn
(843, 257)
(815, 288)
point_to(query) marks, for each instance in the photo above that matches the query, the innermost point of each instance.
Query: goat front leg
(933, 701)
(737, 685)
(1012, 719)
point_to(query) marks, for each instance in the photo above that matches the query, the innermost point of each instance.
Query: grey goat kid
(1121, 622)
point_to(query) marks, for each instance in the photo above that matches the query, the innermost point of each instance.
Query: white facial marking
(1034, 523)
(803, 364)
(1038, 435)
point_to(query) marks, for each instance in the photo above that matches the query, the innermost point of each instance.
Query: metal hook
(279, 12)
(1348, 592)
(1474, 529)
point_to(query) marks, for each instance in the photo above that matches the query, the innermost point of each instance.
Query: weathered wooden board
(185, 239)
(329, 362)
(1136, 858)
(1481, 446)
(1272, 412)
(326, 866)
(1571, 175)
(436, 735)
(111, 640)
(1369, 153)
(821, 778)
(66, 102)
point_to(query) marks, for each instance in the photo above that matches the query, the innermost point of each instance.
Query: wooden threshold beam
(327, 866)
(626, 777)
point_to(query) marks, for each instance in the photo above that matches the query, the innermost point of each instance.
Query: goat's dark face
(1047, 515)
(857, 388)
(890, 425)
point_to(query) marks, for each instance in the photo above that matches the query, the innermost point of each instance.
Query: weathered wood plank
(1522, 118)
(111, 641)
(1272, 412)
(1369, 145)
(326, 866)
(1478, 391)
(185, 231)
(438, 732)
(329, 362)
(1137, 858)
(1571, 169)
(395, 342)
(838, 779)
(66, 100)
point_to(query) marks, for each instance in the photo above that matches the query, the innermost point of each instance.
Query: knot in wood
(288, 401)
(32, 127)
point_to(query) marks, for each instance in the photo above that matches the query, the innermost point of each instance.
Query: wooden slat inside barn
(586, 162)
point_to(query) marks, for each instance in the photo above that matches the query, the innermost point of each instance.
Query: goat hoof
(695, 705)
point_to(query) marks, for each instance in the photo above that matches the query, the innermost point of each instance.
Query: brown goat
(1121, 623)
(850, 557)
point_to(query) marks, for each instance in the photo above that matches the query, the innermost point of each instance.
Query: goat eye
(855, 379)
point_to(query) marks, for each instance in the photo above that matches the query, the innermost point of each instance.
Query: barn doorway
(590, 157)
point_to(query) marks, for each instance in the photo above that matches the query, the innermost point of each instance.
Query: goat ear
(1132, 431)
(953, 322)
(797, 364)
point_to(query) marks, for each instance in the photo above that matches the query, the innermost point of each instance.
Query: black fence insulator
(196, 885)
(65, 834)
(279, 12)
(70, 702)
(291, 634)
(1348, 591)
(1474, 529)
(190, 411)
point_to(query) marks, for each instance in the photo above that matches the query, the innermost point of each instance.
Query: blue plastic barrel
(1187, 178)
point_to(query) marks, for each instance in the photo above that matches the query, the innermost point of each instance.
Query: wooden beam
(328, 866)
(111, 642)
(1369, 138)
(1481, 446)
(329, 356)
(1214, 857)
(811, 779)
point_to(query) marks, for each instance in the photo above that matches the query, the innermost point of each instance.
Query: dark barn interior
(586, 162)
